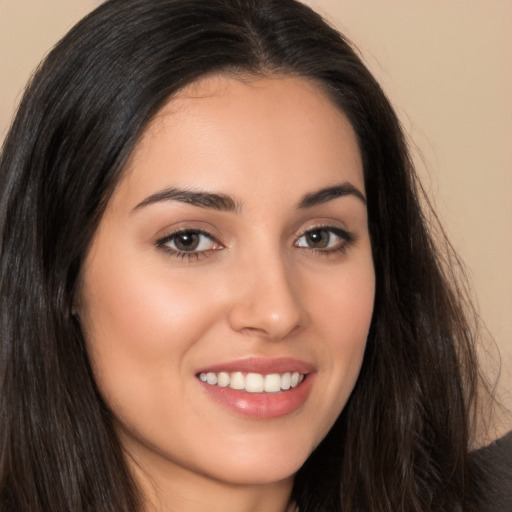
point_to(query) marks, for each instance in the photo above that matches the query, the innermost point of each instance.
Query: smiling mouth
(253, 382)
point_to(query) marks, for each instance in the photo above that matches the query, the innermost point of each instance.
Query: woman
(218, 288)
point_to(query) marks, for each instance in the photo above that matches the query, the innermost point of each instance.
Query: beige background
(446, 67)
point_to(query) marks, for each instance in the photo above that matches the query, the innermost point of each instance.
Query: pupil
(187, 241)
(318, 238)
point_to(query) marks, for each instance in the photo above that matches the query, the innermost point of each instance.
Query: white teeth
(223, 379)
(286, 381)
(237, 381)
(272, 383)
(254, 382)
(211, 378)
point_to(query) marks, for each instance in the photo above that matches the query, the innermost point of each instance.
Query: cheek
(138, 324)
(342, 306)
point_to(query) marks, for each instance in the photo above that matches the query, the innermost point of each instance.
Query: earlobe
(76, 299)
(74, 310)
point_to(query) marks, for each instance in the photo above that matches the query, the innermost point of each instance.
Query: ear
(74, 310)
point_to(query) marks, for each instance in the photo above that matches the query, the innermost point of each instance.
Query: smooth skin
(259, 272)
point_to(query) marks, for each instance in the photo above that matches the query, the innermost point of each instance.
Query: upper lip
(264, 366)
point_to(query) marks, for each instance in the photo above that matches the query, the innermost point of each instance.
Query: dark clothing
(495, 463)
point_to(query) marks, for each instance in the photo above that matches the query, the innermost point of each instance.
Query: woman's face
(227, 294)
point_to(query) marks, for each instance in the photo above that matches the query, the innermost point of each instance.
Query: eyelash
(347, 240)
(190, 255)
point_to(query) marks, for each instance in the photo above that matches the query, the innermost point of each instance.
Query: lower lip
(261, 405)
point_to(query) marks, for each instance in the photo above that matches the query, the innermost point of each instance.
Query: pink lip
(264, 366)
(262, 405)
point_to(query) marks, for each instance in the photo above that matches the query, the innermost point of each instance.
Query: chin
(263, 463)
(259, 473)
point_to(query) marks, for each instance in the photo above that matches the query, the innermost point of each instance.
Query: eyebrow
(328, 194)
(223, 202)
(209, 200)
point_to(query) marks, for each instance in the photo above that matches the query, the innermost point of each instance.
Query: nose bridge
(266, 301)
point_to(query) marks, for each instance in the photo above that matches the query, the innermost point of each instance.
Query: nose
(267, 300)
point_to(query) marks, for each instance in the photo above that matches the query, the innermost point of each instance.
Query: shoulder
(494, 464)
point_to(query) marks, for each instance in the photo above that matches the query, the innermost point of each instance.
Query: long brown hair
(401, 442)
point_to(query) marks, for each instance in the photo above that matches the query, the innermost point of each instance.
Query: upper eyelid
(327, 227)
(172, 233)
(188, 230)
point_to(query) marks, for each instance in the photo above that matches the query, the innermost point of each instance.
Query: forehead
(237, 133)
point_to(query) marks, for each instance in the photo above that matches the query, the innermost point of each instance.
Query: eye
(188, 242)
(326, 239)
